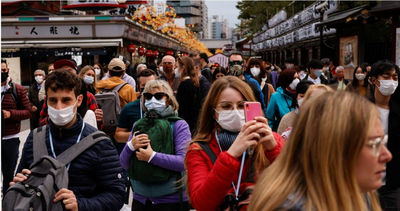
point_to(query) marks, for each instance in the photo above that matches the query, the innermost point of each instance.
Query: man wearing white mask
(385, 77)
(33, 94)
(95, 176)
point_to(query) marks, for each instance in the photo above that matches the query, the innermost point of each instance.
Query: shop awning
(341, 16)
(84, 43)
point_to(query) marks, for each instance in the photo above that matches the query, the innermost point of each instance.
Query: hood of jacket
(109, 83)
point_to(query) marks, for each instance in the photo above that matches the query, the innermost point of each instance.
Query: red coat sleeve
(26, 111)
(273, 154)
(208, 184)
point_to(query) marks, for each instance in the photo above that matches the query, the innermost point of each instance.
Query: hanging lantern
(131, 48)
(155, 54)
(149, 53)
(169, 53)
(141, 51)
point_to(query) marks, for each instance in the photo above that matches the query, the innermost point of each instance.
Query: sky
(225, 8)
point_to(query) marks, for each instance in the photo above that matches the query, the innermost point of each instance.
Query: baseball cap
(116, 65)
(65, 62)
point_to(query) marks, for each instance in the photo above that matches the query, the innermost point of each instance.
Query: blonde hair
(207, 123)
(322, 87)
(164, 86)
(317, 165)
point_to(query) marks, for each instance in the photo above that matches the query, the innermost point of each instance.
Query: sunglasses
(158, 95)
(231, 63)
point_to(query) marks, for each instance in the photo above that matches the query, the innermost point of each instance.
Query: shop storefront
(38, 41)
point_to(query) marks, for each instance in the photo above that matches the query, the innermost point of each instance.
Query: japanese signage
(50, 31)
(279, 35)
(278, 18)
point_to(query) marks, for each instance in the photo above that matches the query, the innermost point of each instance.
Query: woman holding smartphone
(331, 162)
(220, 165)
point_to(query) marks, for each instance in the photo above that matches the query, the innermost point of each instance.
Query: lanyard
(52, 147)
(240, 171)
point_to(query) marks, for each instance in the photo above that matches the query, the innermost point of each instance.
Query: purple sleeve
(125, 157)
(182, 138)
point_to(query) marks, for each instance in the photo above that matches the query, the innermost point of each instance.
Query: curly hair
(63, 79)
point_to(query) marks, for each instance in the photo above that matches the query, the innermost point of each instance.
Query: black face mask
(4, 76)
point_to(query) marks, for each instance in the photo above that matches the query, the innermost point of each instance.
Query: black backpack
(48, 175)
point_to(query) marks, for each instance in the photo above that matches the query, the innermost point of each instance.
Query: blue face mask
(155, 105)
(318, 73)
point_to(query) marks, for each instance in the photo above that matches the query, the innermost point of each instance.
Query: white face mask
(302, 75)
(255, 71)
(294, 83)
(388, 87)
(63, 116)
(231, 120)
(300, 101)
(272, 67)
(177, 73)
(88, 79)
(156, 105)
(326, 68)
(360, 76)
(39, 79)
(97, 71)
(263, 79)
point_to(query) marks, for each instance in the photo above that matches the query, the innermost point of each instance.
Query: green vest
(160, 133)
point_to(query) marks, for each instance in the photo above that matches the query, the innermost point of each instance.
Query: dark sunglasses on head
(231, 63)
(158, 95)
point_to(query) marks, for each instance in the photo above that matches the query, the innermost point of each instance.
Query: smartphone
(252, 110)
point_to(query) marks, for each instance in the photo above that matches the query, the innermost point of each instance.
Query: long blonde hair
(207, 123)
(317, 165)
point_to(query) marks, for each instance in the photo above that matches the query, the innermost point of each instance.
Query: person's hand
(267, 137)
(144, 154)
(34, 108)
(139, 141)
(68, 199)
(6, 114)
(99, 114)
(247, 137)
(20, 177)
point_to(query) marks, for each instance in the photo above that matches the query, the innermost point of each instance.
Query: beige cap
(116, 65)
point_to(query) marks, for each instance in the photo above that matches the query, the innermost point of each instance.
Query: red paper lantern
(141, 51)
(131, 48)
(169, 53)
(155, 53)
(149, 53)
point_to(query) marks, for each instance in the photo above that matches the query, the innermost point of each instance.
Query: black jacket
(95, 176)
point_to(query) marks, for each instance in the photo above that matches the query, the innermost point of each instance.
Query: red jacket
(208, 184)
(12, 125)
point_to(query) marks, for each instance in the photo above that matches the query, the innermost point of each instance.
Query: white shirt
(384, 118)
(316, 81)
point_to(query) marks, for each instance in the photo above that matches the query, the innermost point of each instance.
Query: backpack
(230, 203)
(108, 101)
(48, 175)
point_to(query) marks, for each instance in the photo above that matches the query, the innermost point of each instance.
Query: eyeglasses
(231, 63)
(158, 95)
(228, 106)
(376, 144)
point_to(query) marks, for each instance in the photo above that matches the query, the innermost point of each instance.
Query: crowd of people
(178, 137)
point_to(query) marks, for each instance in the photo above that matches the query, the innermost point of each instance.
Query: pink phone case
(251, 110)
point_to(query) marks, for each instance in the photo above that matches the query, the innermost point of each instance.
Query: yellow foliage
(165, 23)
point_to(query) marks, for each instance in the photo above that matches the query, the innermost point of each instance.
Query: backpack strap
(75, 150)
(119, 87)
(207, 149)
(39, 143)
